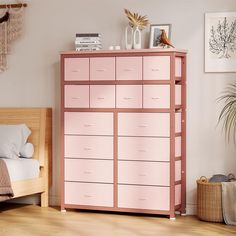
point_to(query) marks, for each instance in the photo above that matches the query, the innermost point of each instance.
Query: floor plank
(27, 220)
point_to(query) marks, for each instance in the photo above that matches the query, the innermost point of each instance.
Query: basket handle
(231, 177)
(203, 179)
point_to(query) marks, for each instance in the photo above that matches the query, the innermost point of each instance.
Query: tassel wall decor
(11, 25)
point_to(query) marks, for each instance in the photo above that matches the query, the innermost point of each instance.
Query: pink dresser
(123, 131)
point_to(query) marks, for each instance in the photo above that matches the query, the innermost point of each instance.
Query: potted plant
(228, 112)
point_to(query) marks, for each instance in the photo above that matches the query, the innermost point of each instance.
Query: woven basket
(209, 203)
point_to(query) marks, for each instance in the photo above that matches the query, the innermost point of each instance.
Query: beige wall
(33, 77)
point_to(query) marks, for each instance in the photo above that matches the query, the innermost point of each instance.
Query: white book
(87, 49)
(87, 42)
(87, 39)
(88, 46)
(88, 35)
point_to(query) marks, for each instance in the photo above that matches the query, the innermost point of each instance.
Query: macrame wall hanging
(11, 25)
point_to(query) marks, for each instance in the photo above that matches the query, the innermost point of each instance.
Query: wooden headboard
(39, 120)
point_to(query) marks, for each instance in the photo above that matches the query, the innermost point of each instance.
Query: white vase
(129, 37)
(137, 38)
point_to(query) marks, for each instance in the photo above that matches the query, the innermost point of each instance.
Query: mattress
(22, 169)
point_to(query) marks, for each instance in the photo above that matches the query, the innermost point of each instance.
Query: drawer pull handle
(75, 71)
(155, 69)
(142, 126)
(100, 70)
(127, 98)
(87, 149)
(87, 196)
(142, 150)
(88, 125)
(155, 98)
(142, 199)
(100, 98)
(87, 172)
(128, 69)
(75, 98)
(142, 175)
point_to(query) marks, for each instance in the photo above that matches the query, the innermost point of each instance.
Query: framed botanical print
(220, 42)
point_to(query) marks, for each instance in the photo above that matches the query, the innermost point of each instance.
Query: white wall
(33, 76)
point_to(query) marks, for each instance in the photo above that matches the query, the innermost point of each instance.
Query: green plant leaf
(228, 112)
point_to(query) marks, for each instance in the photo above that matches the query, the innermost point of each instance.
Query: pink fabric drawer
(77, 96)
(89, 147)
(144, 197)
(156, 96)
(156, 68)
(76, 69)
(129, 68)
(178, 95)
(102, 96)
(145, 149)
(178, 194)
(89, 194)
(102, 68)
(144, 124)
(89, 123)
(178, 67)
(145, 173)
(129, 96)
(177, 122)
(177, 146)
(89, 170)
(177, 170)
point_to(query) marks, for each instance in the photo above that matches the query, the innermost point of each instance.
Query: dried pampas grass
(136, 20)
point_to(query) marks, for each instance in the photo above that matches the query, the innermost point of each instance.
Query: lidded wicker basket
(209, 201)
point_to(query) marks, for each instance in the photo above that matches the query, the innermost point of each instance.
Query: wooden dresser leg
(44, 199)
(172, 216)
(183, 210)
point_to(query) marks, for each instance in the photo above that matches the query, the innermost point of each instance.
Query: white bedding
(22, 169)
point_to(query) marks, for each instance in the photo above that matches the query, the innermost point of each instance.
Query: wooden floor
(21, 220)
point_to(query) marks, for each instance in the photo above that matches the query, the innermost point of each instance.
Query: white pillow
(12, 139)
(27, 151)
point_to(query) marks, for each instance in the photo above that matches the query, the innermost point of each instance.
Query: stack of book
(88, 42)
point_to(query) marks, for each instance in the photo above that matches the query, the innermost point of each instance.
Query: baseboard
(191, 209)
(54, 200)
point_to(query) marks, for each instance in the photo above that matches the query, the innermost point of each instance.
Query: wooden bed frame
(39, 120)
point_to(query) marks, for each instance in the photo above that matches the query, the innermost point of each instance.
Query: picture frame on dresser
(155, 33)
(220, 42)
